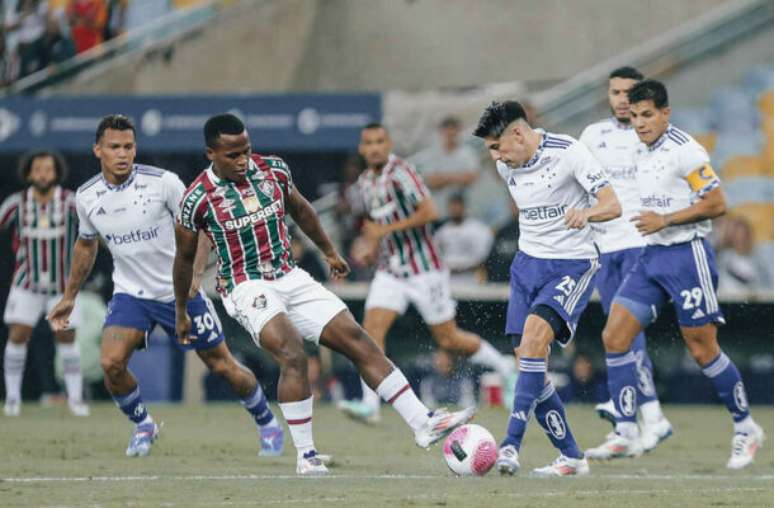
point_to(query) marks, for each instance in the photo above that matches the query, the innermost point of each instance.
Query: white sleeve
(173, 192)
(86, 229)
(692, 156)
(587, 169)
(587, 137)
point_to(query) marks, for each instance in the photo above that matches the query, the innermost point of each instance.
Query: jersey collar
(538, 152)
(660, 141)
(216, 180)
(124, 185)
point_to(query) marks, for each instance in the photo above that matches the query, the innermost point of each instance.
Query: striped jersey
(42, 238)
(673, 173)
(392, 195)
(245, 221)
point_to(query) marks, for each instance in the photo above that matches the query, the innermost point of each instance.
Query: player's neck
(43, 197)
(115, 179)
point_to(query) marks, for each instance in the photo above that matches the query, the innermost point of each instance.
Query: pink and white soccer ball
(470, 450)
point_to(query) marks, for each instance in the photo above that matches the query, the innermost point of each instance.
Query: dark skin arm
(711, 205)
(200, 263)
(424, 214)
(84, 255)
(182, 275)
(306, 217)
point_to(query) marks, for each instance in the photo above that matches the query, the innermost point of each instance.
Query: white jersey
(561, 175)
(136, 220)
(673, 173)
(614, 145)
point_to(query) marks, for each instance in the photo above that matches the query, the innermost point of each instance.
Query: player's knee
(219, 366)
(112, 366)
(612, 340)
(702, 350)
(290, 355)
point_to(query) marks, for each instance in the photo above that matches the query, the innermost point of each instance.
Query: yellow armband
(703, 179)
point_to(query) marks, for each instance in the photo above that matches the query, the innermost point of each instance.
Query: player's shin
(532, 373)
(13, 367)
(622, 384)
(396, 391)
(728, 385)
(370, 397)
(550, 414)
(132, 406)
(71, 363)
(258, 407)
(298, 416)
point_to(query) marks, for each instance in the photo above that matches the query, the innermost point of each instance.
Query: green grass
(207, 456)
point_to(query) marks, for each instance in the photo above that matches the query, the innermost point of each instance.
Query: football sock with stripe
(298, 416)
(71, 363)
(529, 385)
(622, 384)
(131, 405)
(13, 368)
(257, 405)
(396, 390)
(728, 385)
(549, 412)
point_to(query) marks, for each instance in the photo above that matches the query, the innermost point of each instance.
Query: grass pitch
(207, 456)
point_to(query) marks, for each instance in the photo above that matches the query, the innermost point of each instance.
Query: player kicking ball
(552, 179)
(679, 195)
(411, 268)
(131, 207)
(240, 202)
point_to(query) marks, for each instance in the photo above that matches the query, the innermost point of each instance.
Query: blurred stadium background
(305, 75)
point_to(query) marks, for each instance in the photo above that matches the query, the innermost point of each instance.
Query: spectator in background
(447, 384)
(465, 243)
(6, 64)
(87, 23)
(51, 49)
(586, 385)
(740, 267)
(506, 245)
(116, 18)
(24, 25)
(350, 207)
(449, 166)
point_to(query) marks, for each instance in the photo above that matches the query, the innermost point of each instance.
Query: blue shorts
(131, 312)
(685, 272)
(564, 285)
(614, 267)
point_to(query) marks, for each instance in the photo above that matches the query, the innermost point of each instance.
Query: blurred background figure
(741, 267)
(447, 384)
(88, 19)
(465, 243)
(586, 384)
(52, 48)
(506, 245)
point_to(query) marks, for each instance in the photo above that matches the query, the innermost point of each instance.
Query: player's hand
(575, 218)
(59, 317)
(183, 327)
(364, 251)
(648, 223)
(339, 267)
(373, 230)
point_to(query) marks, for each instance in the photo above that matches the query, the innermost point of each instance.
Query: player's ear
(210, 153)
(666, 111)
(97, 151)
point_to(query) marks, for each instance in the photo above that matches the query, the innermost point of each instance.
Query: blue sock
(622, 383)
(549, 412)
(131, 405)
(646, 389)
(532, 374)
(256, 405)
(728, 385)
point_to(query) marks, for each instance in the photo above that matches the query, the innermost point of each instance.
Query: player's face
(116, 150)
(42, 174)
(375, 147)
(231, 156)
(649, 121)
(617, 97)
(510, 148)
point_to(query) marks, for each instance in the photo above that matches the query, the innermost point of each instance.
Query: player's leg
(344, 335)
(14, 358)
(479, 351)
(71, 362)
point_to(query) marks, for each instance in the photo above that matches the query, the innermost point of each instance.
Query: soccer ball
(470, 450)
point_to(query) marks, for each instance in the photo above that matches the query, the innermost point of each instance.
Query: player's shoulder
(274, 162)
(150, 171)
(681, 143)
(13, 198)
(561, 142)
(398, 166)
(91, 187)
(198, 187)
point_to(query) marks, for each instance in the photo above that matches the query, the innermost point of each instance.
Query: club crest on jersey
(267, 188)
(251, 204)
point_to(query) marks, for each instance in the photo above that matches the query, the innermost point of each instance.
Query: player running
(552, 178)
(411, 269)
(679, 194)
(43, 222)
(613, 142)
(240, 202)
(131, 207)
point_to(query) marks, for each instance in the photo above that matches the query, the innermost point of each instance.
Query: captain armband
(703, 180)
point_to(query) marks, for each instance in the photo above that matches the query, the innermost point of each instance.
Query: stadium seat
(766, 103)
(708, 140)
(730, 144)
(749, 189)
(692, 120)
(759, 79)
(741, 166)
(759, 216)
(733, 111)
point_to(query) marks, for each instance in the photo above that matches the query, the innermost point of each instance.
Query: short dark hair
(457, 197)
(374, 125)
(115, 122)
(649, 90)
(224, 123)
(497, 117)
(626, 72)
(60, 165)
(449, 121)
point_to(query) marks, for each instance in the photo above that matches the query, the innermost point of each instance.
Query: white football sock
(71, 361)
(370, 397)
(746, 426)
(272, 423)
(651, 411)
(629, 430)
(298, 416)
(396, 390)
(488, 356)
(13, 366)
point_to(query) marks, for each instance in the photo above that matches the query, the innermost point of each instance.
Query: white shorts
(25, 307)
(429, 292)
(308, 304)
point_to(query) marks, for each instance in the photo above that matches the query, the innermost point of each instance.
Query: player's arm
(607, 208)
(203, 249)
(186, 242)
(84, 255)
(425, 213)
(712, 203)
(443, 179)
(306, 217)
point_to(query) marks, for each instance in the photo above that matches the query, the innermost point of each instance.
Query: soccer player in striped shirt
(679, 195)
(411, 268)
(132, 208)
(614, 143)
(43, 223)
(552, 178)
(240, 202)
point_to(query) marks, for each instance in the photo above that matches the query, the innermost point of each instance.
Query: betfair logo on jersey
(138, 235)
(254, 217)
(654, 201)
(542, 212)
